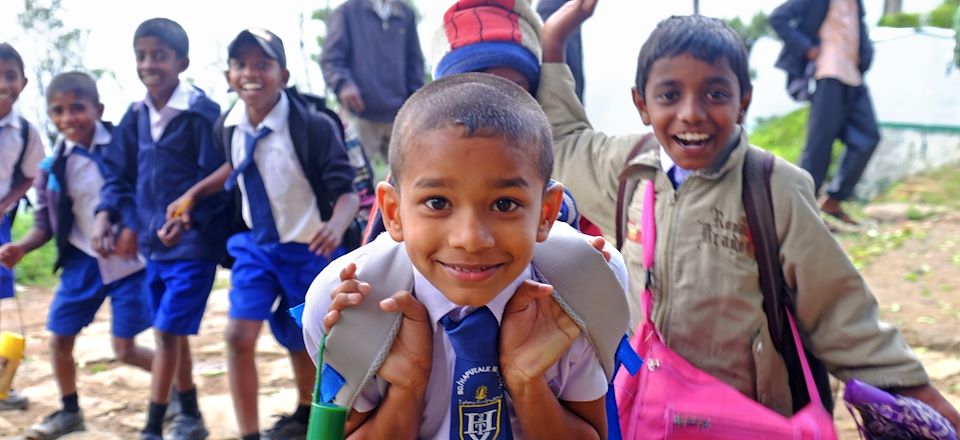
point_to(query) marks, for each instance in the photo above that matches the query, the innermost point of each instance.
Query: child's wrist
(520, 386)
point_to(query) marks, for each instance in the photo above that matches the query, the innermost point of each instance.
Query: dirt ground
(916, 281)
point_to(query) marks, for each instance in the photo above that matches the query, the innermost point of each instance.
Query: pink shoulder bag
(671, 399)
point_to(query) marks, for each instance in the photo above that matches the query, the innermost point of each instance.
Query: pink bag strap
(648, 238)
(648, 234)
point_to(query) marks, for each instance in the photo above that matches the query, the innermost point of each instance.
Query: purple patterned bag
(891, 417)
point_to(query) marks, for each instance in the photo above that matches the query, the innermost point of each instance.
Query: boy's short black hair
(167, 31)
(80, 84)
(484, 105)
(7, 52)
(706, 39)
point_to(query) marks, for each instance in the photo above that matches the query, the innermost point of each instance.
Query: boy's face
(693, 106)
(75, 117)
(256, 77)
(470, 210)
(158, 66)
(12, 83)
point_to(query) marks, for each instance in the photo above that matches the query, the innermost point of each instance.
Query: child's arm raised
(534, 333)
(575, 142)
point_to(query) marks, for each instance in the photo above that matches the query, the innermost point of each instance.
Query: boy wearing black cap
(296, 187)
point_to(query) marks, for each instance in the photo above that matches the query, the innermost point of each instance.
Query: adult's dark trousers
(839, 111)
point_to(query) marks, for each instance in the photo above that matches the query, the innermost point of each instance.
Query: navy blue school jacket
(143, 177)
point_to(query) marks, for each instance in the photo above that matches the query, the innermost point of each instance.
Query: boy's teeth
(250, 87)
(693, 137)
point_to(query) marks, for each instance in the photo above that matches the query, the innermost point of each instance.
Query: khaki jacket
(708, 303)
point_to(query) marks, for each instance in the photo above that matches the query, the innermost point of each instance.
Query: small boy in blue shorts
(68, 188)
(165, 146)
(20, 151)
(297, 198)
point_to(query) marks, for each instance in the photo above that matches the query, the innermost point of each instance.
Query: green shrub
(942, 16)
(36, 268)
(900, 20)
(783, 135)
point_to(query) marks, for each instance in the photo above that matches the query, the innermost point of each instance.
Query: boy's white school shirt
(578, 376)
(179, 102)
(11, 143)
(292, 201)
(84, 181)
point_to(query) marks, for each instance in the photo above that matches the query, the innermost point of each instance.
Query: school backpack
(758, 204)
(584, 287)
(17, 171)
(315, 105)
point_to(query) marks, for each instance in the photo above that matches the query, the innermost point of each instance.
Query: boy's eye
(669, 96)
(505, 205)
(717, 95)
(437, 203)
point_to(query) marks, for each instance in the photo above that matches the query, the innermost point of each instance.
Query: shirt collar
(101, 136)
(12, 119)
(180, 100)
(275, 120)
(438, 305)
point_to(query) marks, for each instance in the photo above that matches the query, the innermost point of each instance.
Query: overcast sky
(612, 39)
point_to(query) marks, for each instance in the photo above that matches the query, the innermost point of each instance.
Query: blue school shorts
(262, 274)
(6, 275)
(178, 291)
(81, 292)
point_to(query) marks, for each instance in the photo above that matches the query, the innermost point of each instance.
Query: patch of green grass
(864, 248)
(786, 135)
(938, 187)
(36, 268)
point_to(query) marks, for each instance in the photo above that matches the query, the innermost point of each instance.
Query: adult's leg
(824, 125)
(860, 136)
(241, 335)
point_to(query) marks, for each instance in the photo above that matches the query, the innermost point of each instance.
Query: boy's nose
(471, 234)
(691, 110)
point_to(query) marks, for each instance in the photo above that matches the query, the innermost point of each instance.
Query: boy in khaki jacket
(693, 87)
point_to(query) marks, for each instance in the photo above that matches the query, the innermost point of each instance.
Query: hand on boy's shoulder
(534, 333)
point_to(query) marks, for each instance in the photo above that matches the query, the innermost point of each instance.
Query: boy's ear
(388, 199)
(552, 200)
(641, 105)
(184, 63)
(744, 105)
(99, 109)
(284, 77)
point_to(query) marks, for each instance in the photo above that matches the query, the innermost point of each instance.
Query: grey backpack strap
(358, 344)
(586, 288)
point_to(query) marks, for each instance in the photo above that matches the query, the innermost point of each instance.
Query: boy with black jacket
(297, 198)
(165, 147)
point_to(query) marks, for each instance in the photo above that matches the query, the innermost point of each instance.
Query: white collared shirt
(667, 163)
(179, 102)
(292, 201)
(84, 181)
(11, 144)
(577, 377)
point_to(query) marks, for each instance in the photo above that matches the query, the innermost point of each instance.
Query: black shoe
(286, 428)
(56, 425)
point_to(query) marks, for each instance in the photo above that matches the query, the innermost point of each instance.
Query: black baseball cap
(268, 41)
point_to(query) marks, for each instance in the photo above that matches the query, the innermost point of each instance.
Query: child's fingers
(330, 319)
(406, 304)
(599, 243)
(351, 286)
(348, 272)
(527, 293)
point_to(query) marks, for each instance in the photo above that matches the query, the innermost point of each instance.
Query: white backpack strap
(358, 344)
(586, 288)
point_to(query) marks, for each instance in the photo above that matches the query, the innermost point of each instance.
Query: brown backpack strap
(626, 189)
